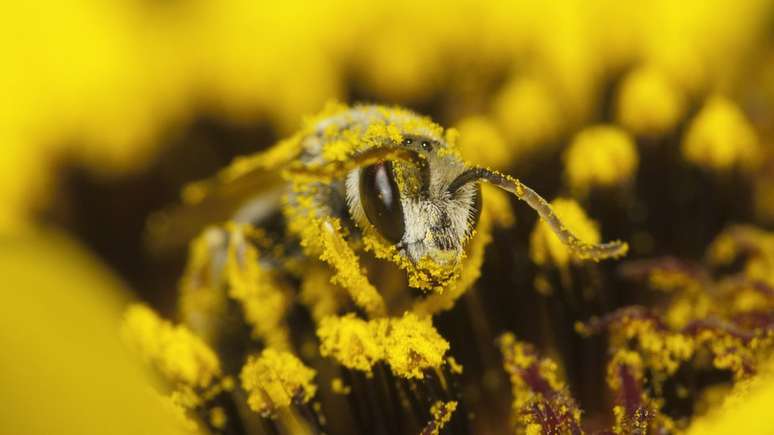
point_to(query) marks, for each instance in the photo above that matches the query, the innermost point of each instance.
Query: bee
(373, 178)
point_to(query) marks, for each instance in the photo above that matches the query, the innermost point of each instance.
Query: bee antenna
(584, 250)
(366, 158)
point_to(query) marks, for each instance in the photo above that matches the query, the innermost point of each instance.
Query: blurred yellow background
(95, 83)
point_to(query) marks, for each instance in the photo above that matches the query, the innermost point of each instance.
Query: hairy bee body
(363, 179)
(436, 223)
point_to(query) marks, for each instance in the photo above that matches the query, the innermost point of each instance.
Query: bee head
(413, 207)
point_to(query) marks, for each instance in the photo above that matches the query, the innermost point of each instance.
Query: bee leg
(321, 297)
(256, 285)
(322, 237)
(348, 273)
(203, 300)
(226, 284)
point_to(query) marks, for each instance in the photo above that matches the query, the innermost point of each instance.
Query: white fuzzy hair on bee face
(437, 222)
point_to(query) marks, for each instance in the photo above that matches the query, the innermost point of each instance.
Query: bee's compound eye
(380, 198)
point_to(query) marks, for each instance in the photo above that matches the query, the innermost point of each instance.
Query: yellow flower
(319, 294)
(409, 344)
(351, 341)
(528, 115)
(600, 156)
(721, 138)
(482, 143)
(537, 390)
(746, 410)
(274, 380)
(178, 354)
(98, 86)
(442, 414)
(338, 387)
(648, 103)
(63, 370)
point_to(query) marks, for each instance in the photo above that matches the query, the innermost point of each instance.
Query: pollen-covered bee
(370, 179)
